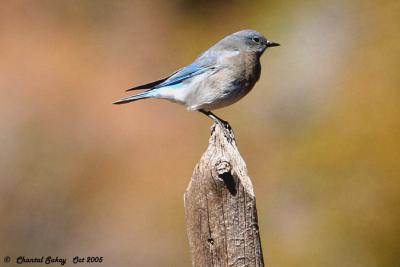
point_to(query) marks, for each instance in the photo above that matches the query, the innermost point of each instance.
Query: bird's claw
(227, 130)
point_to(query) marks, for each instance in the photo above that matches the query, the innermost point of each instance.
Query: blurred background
(319, 132)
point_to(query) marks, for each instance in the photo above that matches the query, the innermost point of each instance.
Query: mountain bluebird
(219, 77)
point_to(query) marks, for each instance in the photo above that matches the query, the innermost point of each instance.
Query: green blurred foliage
(320, 131)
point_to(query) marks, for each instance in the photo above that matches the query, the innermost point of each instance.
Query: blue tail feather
(132, 98)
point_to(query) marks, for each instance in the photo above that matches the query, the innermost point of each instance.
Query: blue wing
(175, 78)
(202, 64)
(206, 62)
(184, 74)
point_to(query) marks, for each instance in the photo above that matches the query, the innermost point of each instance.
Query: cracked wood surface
(220, 207)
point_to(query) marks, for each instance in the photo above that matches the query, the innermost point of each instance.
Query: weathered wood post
(220, 207)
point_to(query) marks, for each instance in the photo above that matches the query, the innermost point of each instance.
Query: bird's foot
(224, 125)
(226, 129)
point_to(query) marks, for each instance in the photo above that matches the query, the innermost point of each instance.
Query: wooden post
(220, 207)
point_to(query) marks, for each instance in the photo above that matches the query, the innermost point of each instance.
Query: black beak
(272, 44)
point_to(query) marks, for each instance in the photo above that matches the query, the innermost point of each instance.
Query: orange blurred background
(320, 131)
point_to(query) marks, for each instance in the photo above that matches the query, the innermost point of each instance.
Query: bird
(219, 77)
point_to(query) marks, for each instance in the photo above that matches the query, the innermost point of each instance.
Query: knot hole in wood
(224, 171)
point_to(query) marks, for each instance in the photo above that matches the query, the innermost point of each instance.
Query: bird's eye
(256, 39)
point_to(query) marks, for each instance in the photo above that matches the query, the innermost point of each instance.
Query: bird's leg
(215, 118)
(223, 124)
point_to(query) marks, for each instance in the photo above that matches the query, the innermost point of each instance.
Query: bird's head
(250, 40)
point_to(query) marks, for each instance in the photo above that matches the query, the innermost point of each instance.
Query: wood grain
(220, 207)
